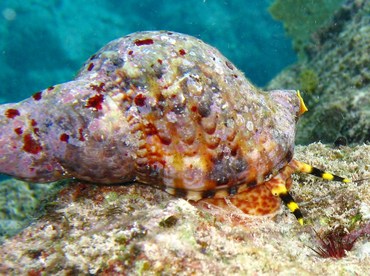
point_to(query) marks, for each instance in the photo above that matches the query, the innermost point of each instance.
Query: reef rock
(335, 78)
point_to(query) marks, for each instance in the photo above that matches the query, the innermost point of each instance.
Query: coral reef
(301, 18)
(137, 229)
(339, 100)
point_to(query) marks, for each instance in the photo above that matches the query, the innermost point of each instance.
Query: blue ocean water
(46, 42)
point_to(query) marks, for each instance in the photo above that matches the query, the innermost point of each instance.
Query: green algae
(308, 80)
(111, 197)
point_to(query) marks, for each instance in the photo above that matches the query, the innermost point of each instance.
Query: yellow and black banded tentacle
(305, 168)
(282, 192)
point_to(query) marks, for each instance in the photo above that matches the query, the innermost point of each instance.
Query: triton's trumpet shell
(164, 109)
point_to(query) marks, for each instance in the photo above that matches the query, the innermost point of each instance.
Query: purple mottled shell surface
(160, 108)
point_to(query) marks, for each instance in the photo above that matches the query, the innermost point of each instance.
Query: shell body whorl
(160, 108)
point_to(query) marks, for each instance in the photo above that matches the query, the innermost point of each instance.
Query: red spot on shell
(31, 145)
(159, 61)
(33, 122)
(130, 52)
(90, 67)
(64, 137)
(150, 129)
(161, 98)
(95, 102)
(98, 88)
(36, 130)
(140, 100)
(234, 151)
(50, 88)
(18, 130)
(182, 52)
(147, 41)
(11, 113)
(194, 108)
(81, 138)
(165, 140)
(37, 96)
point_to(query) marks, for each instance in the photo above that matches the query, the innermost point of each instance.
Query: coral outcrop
(335, 78)
(301, 17)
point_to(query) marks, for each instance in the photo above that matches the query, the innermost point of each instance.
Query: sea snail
(167, 110)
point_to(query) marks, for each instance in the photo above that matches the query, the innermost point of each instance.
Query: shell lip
(302, 106)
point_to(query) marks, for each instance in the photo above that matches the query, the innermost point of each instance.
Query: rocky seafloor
(135, 229)
(334, 78)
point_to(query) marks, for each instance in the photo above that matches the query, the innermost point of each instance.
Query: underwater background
(321, 47)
